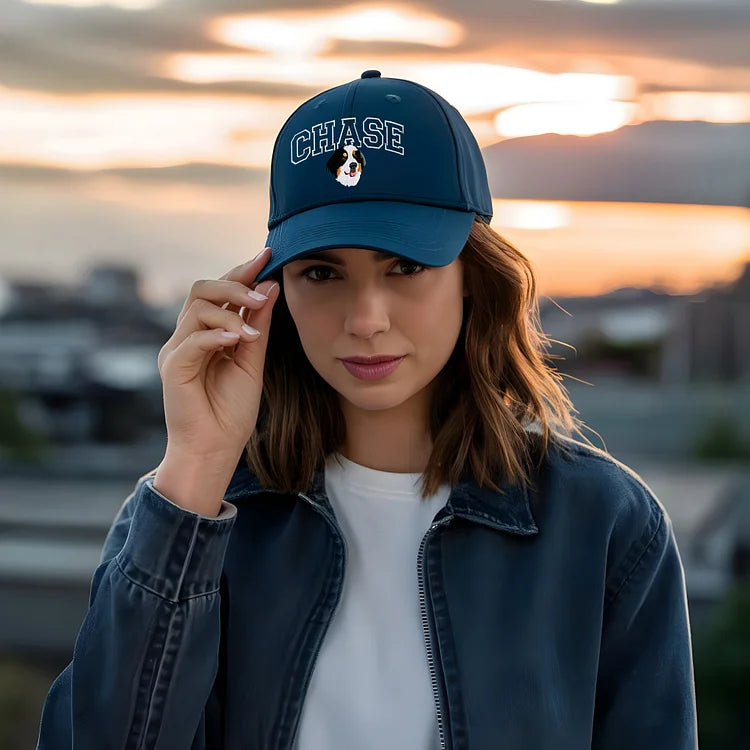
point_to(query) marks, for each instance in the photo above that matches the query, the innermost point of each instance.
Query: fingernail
(259, 255)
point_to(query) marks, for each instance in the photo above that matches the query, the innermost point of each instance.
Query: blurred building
(108, 284)
(709, 335)
(663, 337)
(82, 359)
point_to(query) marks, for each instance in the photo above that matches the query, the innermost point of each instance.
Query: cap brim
(428, 235)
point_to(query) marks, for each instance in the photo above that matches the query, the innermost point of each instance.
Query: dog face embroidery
(346, 161)
(346, 164)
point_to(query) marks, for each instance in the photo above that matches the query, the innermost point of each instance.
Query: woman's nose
(367, 314)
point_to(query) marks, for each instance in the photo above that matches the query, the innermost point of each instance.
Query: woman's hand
(212, 383)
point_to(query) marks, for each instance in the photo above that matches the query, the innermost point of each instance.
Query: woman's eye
(312, 269)
(306, 273)
(408, 263)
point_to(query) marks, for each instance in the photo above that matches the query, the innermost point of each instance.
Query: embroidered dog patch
(346, 164)
(347, 161)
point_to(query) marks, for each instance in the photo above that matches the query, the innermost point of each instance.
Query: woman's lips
(371, 372)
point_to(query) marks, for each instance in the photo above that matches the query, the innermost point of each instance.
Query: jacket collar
(508, 510)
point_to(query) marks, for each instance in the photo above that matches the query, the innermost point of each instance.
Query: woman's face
(356, 303)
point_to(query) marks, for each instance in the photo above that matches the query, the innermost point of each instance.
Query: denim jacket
(555, 618)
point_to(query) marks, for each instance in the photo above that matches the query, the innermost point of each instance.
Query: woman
(415, 554)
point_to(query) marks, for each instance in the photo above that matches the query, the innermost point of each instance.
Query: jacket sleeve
(645, 694)
(146, 655)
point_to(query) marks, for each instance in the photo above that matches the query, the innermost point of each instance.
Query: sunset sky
(140, 131)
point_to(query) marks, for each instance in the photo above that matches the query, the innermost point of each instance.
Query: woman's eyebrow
(336, 261)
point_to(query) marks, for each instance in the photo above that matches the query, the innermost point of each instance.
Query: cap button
(371, 74)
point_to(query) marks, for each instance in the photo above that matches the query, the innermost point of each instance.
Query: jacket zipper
(331, 523)
(425, 624)
(426, 628)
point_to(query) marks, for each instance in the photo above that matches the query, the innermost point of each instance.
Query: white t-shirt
(370, 687)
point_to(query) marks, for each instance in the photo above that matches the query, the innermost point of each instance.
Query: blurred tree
(17, 441)
(721, 438)
(721, 654)
(23, 689)
(637, 358)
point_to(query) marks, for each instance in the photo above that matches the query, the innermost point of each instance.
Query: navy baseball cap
(380, 163)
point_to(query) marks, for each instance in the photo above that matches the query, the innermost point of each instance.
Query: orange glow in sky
(588, 247)
(506, 91)
(286, 47)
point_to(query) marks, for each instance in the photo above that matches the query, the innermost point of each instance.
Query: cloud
(103, 48)
(194, 172)
(195, 220)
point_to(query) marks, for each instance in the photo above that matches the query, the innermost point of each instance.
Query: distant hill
(654, 162)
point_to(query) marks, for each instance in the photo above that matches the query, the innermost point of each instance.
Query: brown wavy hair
(495, 385)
